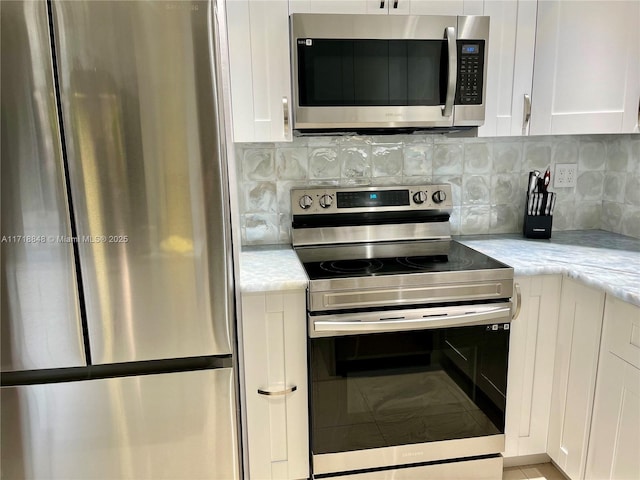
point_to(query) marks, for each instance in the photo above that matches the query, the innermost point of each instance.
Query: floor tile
(542, 471)
(513, 473)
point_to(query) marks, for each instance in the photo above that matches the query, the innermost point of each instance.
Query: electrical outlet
(565, 175)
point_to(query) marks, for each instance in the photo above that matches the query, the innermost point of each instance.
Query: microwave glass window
(371, 72)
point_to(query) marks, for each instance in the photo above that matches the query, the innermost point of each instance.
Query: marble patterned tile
(634, 159)
(447, 159)
(563, 216)
(258, 164)
(587, 215)
(590, 185)
(284, 228)
(355, 162)
(260, 228)
(292, 163)
(260, 197)
(505, 219)
(614, 185)
(454, 220)
(478, 158)
(323, 163)
(618, 153)
(632, 190)
(386, 160)
(475, 220)
(418, 160)
(476, 189)
(593, 155)
(611, 216)
(631, 221)
(507, 157)
(566, 150)
(537, 155)
(506, 190)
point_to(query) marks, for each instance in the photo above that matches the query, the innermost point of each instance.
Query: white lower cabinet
(531, 358)
(274, 343)
(574, 379)
(614, 445)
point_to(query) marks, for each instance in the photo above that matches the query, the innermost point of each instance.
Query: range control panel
(470, 72)
(322, 200)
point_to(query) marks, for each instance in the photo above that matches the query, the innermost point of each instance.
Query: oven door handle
(418, 319)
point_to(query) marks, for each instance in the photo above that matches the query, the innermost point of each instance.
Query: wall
(488, 176)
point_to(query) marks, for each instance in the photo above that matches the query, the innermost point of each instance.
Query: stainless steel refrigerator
(117, 305)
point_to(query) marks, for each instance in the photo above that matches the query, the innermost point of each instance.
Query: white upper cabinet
(260, 83)
(586, 72)
(328, 6)
(386, 7)
(512, 36)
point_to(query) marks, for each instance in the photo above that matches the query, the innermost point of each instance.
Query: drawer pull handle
(277, 392)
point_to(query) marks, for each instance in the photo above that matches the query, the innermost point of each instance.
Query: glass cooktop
(393, 259)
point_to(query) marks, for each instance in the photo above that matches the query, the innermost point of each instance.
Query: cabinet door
(531, 357)
(615, 429)
(258, 39)
(333, 6)
(434, 7)
(587, 63)
(574, 377)
(512, 37)
(274, 342)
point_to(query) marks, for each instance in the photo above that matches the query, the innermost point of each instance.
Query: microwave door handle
(450, 35)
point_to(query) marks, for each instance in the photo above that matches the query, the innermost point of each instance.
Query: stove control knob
(439, 196)
(420, 197)
(305, 202)
(326, 201)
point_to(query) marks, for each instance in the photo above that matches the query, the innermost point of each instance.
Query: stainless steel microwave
(380, 72)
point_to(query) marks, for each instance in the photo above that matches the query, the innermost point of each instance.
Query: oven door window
(371, 72)
(382, 390)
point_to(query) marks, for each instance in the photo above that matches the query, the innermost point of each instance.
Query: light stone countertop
(604, 260)
(271, 268)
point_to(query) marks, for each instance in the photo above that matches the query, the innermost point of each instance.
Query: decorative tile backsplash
(488, 178)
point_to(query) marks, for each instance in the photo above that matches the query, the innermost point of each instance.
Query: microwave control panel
(470, 72)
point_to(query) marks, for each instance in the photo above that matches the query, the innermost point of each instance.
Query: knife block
(536, 226)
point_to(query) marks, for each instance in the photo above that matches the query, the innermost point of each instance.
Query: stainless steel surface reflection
(139, 106)
(40, 315)
(177, 425)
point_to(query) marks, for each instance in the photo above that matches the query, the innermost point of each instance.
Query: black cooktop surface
(411, 257)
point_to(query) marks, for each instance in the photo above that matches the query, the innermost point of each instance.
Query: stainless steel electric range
(408, 336)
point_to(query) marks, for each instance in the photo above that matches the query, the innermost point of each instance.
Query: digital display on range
(381, 198)
(470, 49)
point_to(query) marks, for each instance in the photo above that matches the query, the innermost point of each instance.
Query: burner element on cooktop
(365, 266)
(421, 262)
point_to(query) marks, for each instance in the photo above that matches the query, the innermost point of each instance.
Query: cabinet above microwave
(364, 72)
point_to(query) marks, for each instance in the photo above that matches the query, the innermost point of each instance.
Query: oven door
(408, 397)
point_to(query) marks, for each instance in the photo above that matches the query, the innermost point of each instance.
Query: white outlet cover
(565, 175)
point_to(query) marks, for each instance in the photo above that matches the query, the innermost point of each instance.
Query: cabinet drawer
(625, 330)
